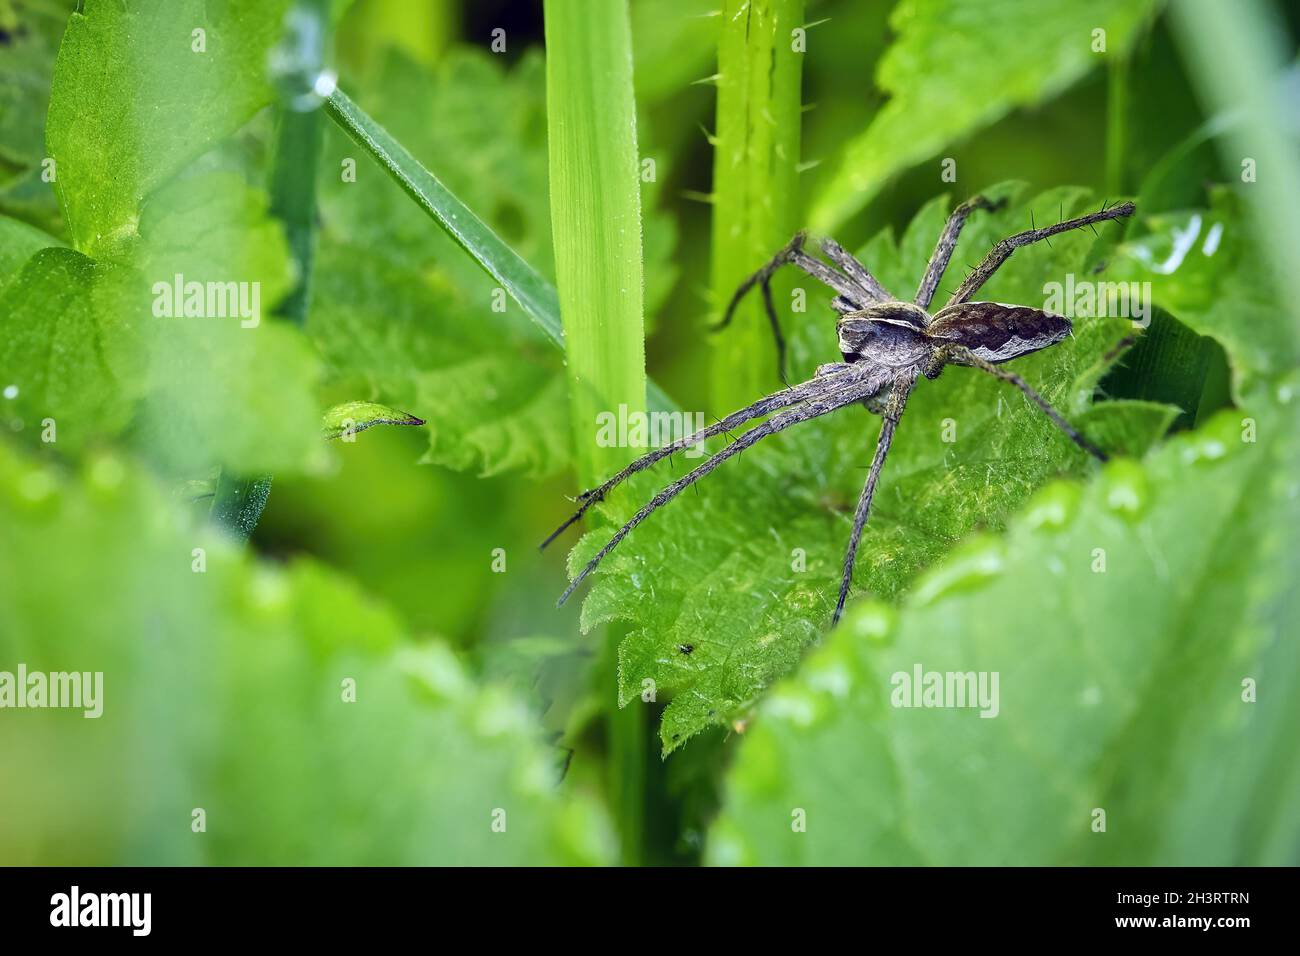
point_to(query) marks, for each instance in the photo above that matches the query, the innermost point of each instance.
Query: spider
(887, 346)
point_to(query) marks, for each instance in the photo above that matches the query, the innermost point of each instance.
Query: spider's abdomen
(996, 332)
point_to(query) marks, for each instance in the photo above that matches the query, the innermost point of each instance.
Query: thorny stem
(755, 183)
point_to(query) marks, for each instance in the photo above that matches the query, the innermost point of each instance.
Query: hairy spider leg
(960, 355)
(855, 270)
(1002, 251)
(847, 394)
(889, 421)
(827, 380)
(858, 286)
(943, 249)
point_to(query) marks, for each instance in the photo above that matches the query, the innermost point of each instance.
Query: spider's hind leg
(960, 355)
(855, 284)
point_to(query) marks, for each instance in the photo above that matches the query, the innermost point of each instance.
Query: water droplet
(107, 472)
(11, 392)
(872, 621)
(296, 64)
(36, 485)
(268, 589)
(1124, 485)
(1214, 440)
(971, 566)
(794, 704)
(1053, 507)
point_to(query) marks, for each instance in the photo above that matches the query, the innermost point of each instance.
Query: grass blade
(517, 277)
(596, 221)
(525, 285)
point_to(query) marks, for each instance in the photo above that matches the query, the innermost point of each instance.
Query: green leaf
(225, 687)
(67, 363)
(959, 65)
(353, 417)
(721, 570)
(1204, 269)
(1125, 621)
(168, 79)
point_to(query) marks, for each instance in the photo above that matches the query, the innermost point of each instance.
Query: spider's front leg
(893, 411)
(943, 249)
(1002, 251)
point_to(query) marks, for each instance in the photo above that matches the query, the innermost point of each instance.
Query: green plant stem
(755, 185)
(238, 503)
(596, 222)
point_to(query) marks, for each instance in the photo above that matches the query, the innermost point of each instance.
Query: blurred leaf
(226, 690)
(1204, 268)
(32, 29)
(143, 87)
(959, 65)
(718, 570)
(493, 397)
(1120, 690)
(18, 243)
(222, 389)
(356, 417)
(674, 43)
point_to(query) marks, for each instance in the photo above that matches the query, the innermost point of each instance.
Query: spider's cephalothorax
(887, 345)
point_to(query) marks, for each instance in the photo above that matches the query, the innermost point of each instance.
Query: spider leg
(836, 399)
(770, 307)
(960, 355)
(855, 270)
(943, 249)
(849, 286)
(832, 378)
(889, 421)
(1002, 251)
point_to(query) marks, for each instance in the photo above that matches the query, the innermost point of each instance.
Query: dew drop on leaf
(1125, 487)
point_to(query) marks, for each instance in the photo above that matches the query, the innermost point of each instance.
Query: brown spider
(887, 346)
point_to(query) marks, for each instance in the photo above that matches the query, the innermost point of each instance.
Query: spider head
(889, 333)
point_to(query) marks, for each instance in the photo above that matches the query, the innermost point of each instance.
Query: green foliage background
(402, 563)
